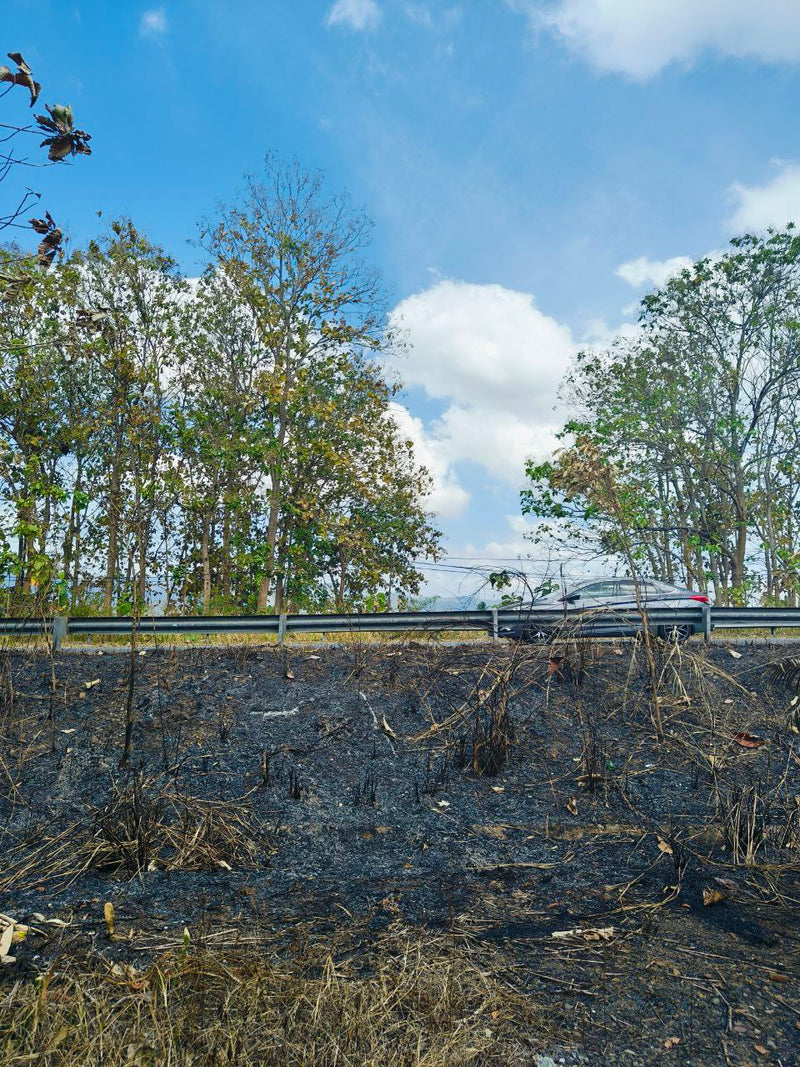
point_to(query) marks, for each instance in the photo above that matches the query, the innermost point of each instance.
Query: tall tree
(699, 416)
(293, 253)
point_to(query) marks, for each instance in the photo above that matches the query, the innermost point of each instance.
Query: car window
(598, 590)
(627, 587)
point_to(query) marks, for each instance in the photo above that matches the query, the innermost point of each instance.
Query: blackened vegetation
(418, 791)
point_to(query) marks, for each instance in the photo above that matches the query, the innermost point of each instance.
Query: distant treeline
(227, 440)
(683, 455)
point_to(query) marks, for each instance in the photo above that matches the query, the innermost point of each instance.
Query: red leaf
(746, 740)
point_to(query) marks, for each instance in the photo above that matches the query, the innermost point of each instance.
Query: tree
(698, 416)
(135, 292)
(293, 255)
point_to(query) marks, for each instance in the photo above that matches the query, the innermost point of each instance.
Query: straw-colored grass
(412, 1004)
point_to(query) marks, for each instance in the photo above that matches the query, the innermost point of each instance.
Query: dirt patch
(640, 897)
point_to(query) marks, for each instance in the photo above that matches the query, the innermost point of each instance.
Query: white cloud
(154, 23)
(496, 361)
(773, 204)
(641, 37)
(357, 14)
(448, 499)
(643, 271)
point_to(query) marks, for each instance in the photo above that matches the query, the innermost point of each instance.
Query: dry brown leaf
(761, 1050)
(108, 915)
(671, 1042)
(712, 896)
(776, 976)
(498, 789)
(664, 846)
(746, 740)
(734, 653)
(572, 806)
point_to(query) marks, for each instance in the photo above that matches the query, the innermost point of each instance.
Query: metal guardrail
(703, 618)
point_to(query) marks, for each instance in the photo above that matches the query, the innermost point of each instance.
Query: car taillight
(699, 596)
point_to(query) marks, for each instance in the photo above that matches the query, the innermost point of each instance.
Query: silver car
(589, 608)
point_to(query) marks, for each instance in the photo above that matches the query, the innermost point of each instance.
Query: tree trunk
(206, 561)
(113, 536)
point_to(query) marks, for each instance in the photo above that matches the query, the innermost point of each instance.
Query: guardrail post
(494, 626)
(281, 628)
(59, 631)
(706, 622)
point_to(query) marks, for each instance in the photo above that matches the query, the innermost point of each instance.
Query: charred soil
(496, 834)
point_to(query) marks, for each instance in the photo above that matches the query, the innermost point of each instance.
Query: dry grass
(141, 827)
(409, 1004)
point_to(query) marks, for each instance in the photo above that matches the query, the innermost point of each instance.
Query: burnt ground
(360, 789)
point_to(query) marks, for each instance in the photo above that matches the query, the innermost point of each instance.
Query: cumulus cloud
(154, 23)
(643, 271)
(496, 361)
(773, 204)
(357, 14)
(448, 499)
(642, 37)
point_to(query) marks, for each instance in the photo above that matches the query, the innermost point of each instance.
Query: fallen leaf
(225, 866)
(664, 846)
(761, 1050)
(728, 701)
(734, 653)
(712, 896)
(572, 806)
(108, 915)
(671, 1042)
(746, 740)
(443, 803)
(387, 728)
(776, 976)
(498, 789)
(492, 831)
(6, 937)
(591, 933)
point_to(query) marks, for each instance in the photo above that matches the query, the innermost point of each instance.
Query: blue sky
(532, 166)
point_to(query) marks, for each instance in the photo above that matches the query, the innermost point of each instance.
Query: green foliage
(220, 446)
(687, 435)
